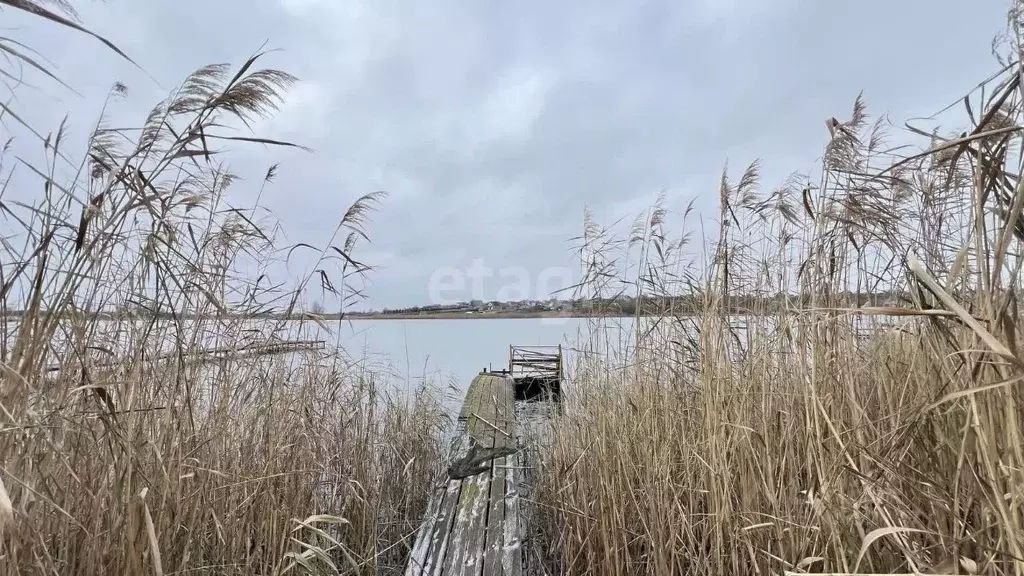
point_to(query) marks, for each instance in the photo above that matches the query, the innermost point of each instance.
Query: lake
(442, 351)
(453, 351)
(447, 353)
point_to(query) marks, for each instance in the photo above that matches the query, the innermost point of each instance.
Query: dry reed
(809, 433)
(125, 446)
(812, 437)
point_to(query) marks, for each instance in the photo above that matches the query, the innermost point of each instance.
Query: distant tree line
(620, 305)
(630, 305)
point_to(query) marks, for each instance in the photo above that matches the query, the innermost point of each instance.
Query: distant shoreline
(474, 316)
(751, 306)
(426, 316)
(397, 316)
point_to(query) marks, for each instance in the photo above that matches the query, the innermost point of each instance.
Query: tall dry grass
(125, 446)
(812, 434)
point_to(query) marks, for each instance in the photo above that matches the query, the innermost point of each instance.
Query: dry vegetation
(812, 440)
(127, 448)
(817, 440)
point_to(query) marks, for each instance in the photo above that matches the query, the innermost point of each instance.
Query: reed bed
(804, 431)
(785, 426)
(126, 446)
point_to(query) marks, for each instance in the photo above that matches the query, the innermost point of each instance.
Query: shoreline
(380, 316)
(476, 316)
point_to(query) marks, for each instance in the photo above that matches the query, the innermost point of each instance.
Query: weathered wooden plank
(432, 539)
(494, 411)
(460, 444)
(469, 399)
(512, 528)
(418, 556)
(441, 533)
(466, 557)
(495, 539)
(505, 415)
(472, 562)
(495, 544)
(465, 548)
(480, 407)
(512, 552)
(465, 530)
(478, 389)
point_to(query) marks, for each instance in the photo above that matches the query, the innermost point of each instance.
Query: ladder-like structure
(537, 371)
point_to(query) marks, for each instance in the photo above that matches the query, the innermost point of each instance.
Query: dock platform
(474, 521)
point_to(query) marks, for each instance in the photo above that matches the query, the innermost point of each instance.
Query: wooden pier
(474, 521)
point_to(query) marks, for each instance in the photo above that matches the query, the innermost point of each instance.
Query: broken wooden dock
(474, 521)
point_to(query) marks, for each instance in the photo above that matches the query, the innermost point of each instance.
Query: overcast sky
(492, 124)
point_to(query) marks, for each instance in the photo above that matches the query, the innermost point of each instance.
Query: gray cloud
(492, 124)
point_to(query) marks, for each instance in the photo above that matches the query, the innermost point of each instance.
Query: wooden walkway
(473, 522)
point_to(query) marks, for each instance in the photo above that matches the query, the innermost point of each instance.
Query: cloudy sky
(492, 124)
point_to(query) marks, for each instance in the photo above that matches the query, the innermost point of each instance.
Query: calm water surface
(452, 351)
(447, 353)
(442, 351)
